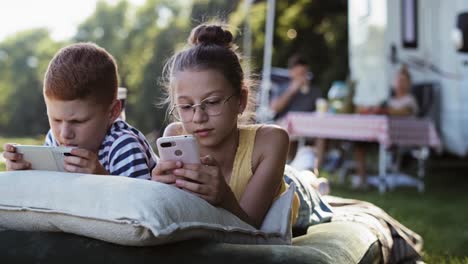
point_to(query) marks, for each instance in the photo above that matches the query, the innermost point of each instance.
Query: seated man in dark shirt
(296, 95)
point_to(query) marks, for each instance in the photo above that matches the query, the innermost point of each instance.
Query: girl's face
(207, 105)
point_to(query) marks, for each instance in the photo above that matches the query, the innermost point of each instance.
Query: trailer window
(409, 23)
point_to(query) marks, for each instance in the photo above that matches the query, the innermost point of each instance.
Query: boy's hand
(163, 172)
(13, 159)
(84, 161)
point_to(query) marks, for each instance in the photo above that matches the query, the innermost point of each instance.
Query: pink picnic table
(385, 130)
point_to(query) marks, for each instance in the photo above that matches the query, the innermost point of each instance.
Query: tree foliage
(21, 68)
(315, 29)
(142, 38)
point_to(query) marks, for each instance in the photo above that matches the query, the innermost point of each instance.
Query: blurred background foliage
(142, 38)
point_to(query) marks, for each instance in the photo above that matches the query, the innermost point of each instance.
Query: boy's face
(79, 123)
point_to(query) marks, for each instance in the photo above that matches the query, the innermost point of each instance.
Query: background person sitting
(402, 103)
(297, 95)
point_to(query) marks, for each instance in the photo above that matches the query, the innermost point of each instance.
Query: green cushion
(343, 242)
(325, 243)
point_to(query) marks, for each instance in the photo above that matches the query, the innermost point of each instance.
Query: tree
(24, 62)
(107, 27)
(205, 10)
(142, 38)
(315, 29)
(155, 34)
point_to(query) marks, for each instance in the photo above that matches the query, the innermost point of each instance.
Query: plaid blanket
(399, 244)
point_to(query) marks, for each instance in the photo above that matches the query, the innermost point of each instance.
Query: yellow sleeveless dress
(242, 168)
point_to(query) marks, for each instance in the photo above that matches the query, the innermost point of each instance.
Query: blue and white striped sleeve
(128, 157)
(49, 139)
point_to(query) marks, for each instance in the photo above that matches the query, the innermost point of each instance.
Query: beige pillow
(127, 211)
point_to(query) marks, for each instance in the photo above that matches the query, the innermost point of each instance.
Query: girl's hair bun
(210, 34)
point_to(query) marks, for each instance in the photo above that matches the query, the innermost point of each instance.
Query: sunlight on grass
(436, 215)
(445, 259)
(39, 140)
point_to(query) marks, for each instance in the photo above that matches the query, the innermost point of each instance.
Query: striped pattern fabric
(313, 209)
(124, 151)
(402, 131)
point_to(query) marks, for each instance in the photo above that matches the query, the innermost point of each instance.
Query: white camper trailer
(431, 37)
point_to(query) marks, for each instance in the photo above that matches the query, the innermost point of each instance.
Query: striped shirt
(124, 151)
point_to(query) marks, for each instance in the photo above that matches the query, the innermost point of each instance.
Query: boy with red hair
(80, 92)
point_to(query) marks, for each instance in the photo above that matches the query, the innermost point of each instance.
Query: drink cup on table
(321, 105)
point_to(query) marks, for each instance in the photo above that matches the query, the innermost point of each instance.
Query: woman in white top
(401, 104)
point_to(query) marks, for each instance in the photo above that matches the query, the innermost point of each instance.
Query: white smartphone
(44, 157)
(183, 148)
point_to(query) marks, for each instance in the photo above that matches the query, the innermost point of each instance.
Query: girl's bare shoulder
(269, 135)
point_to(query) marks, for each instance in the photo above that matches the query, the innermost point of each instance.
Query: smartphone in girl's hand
(183, 148)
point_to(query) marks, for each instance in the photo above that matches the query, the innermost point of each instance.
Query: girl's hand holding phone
(180, 165)
(205, 180)
(163, 172)
(175, 152)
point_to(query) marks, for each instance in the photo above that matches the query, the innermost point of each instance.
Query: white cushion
(128, 211)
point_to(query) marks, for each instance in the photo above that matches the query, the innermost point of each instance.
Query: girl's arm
(269, 159)
(224, 197)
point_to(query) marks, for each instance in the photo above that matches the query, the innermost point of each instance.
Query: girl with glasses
(242, 165)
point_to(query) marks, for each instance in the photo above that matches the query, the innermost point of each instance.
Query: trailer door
(453, 72)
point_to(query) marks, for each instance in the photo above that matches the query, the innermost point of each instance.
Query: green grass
(439, 215)
(39, 140)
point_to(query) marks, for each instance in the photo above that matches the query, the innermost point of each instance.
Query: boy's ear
(116, 109)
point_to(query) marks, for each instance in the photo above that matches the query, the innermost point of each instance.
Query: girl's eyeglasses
(212, 106)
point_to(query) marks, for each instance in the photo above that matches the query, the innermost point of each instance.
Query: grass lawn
(39, 140)
(439, 215)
